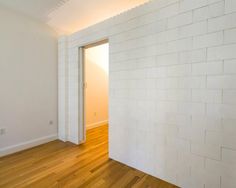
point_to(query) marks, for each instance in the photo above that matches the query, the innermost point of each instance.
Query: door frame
(82, 96)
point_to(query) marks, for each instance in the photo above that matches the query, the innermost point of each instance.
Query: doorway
(95, 72)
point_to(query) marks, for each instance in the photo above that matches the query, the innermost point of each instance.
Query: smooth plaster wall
(96, 79)
(28, 82)
(172, 89)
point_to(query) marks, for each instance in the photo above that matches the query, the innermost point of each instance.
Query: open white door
(82, 127)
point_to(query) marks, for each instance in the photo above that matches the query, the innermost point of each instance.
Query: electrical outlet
(50, 122)
(2, 131)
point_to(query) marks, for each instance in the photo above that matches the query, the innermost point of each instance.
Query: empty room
(118, 94)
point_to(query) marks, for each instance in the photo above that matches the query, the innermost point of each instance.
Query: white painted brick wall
(207, 96)
(193, 29)
(216, 9)
(230, 6)
(209, 68)
(221, 23)
(210, 11)
(208, 40)
(219, 82)
(172, 89)
(229, 96)
(179, 20)
(222, 52)
(230, 36)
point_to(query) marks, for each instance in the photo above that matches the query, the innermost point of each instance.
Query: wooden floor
(58, 164)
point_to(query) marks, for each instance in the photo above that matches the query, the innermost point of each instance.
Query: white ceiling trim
(68, 16)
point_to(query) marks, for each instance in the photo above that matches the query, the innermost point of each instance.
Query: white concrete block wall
(73, 94)
(62, 88)
(172, 89)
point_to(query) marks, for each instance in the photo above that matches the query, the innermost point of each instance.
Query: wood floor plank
(65, 165)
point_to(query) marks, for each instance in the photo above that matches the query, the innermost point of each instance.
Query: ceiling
(68, 16)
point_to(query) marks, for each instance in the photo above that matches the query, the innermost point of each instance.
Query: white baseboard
(26, 145)
(97, 124)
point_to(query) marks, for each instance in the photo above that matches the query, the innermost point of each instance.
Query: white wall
(28, 82)
(172, 89)
(96, 92)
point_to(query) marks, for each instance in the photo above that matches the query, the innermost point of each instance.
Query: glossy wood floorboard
(57, 164)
